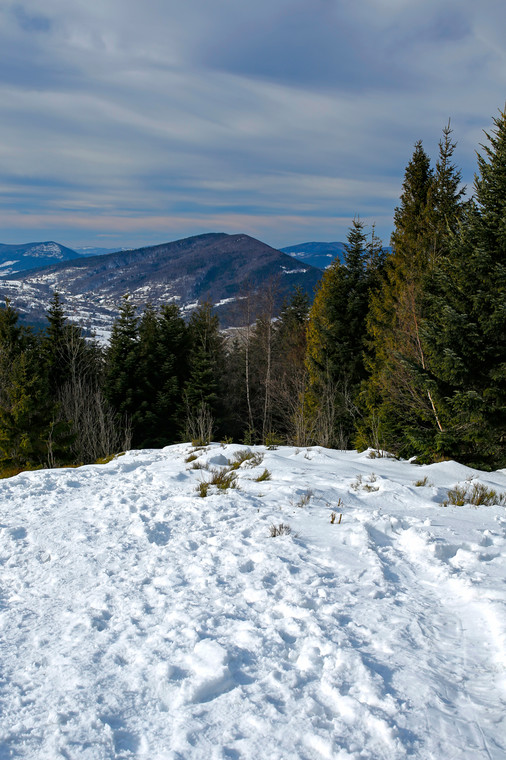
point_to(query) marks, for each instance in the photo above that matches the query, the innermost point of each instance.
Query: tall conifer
(336, 332)
(401, 412)
(465, 324)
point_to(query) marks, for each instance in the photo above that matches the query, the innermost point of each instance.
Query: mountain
(19, 258)
(319, 255)
(94, 251)
(216, 266)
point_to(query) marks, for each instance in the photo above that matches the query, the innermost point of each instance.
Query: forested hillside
(401, 350)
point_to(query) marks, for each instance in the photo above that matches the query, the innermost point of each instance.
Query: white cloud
(191, 110)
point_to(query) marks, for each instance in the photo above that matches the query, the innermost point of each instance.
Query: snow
(139, 620)
(46, 250)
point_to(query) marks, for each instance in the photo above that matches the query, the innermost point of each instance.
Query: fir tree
(121, 374)
(401, 412)
(205, 366)
(336, 332)
(465, 323)
(289, 369)
(30, 433)
(161, 373)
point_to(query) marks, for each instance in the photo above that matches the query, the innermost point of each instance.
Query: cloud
(291, 115)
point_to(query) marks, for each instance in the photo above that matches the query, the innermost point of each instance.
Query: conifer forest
(403, 351)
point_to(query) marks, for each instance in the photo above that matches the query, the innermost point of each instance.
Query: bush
(248, 457)
(280, 530)
(305, 498)
(265, 475)
(474, 493)
(273, 440)
(222, 479)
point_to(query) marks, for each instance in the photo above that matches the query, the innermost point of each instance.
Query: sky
(129, 124)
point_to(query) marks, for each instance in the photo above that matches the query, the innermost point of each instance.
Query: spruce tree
(202, 391)
(121, 384)
(161, 372)
(336, 333)
(400, 410)
(31, 433)
(465, 324)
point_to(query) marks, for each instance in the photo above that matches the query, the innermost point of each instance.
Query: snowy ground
(139, 620)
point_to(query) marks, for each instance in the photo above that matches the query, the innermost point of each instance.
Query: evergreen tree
(336, 332)
(122, 361)
(173, 353)
(30, 433)
(205, 367)
(465, 323)
(162, 370)
(400, 408)
(14, 339)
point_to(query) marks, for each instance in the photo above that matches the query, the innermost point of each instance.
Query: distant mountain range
(93, 251)
(20, 258)
(319, 255)
(217, 266)
(26, 256)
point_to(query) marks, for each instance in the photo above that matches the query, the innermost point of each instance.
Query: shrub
(474, 493)
(423, 482)
(223, 479)
(203, 488)
(109, 458)
(305, 498)
(265, 475)
(9, 471)
(280, 530)
(273, 440)
(247, 457)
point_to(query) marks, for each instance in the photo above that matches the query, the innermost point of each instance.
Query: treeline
(404, 352)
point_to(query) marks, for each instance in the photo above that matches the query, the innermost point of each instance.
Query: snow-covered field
(139, 620)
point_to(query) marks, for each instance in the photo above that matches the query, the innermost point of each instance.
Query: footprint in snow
(18, 534)
(158, 533)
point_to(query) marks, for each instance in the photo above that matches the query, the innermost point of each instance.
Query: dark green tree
(162, 371)
(336, 337)
(202, 391)
(121, 382)
(400, 410)
(465, 321)
(31, 433)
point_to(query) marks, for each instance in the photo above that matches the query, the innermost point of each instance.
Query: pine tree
(121, 387)
(31, 434)
(465, 323)
(401, 412)
(161, 372)
(206, 361)
(336, 333)
(173, 353)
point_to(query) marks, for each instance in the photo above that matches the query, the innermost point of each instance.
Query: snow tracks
(141, 620)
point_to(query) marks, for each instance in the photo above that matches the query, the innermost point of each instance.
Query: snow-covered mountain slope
(140, 620)
(215, 266)
(20, 258)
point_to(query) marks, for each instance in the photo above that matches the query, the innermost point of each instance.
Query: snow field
(138, 620)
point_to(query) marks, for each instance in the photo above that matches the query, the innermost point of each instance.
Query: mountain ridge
(214, 265)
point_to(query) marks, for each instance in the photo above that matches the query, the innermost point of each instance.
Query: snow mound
(140, 620)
